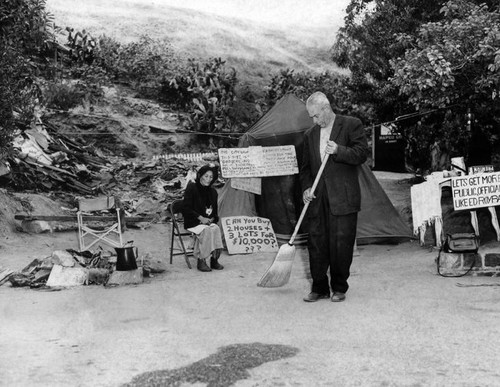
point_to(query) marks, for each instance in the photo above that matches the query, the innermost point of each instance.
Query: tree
(24, 30)
(455, 62)
(366, 44)
(375, 35)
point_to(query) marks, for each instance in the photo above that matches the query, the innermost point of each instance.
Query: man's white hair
(317, 99)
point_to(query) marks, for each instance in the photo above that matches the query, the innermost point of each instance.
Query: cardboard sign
(474, 169)
(248, 234)
(476, 191)
(257, 161)
(250, 184)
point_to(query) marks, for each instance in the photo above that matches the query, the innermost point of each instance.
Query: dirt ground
(401, 325)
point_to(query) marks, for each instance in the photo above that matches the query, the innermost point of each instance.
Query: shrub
(147, 61)
(62, 96)
(207, 92)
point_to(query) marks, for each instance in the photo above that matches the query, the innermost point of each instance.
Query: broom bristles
(279, 272)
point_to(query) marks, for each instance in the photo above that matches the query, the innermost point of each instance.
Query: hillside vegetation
(255, 49)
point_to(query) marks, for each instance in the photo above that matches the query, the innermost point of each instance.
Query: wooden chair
(111, 234)
(182, 246)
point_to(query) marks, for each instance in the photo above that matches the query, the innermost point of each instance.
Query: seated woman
(201, 217)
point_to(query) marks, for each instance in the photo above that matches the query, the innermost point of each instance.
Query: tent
(281, 197)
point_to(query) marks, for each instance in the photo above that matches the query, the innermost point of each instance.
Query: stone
(492, 260)
(129, 277)
(450, 260)
(154, 265)
(35, 226)
(98, 276)
(63, 258)
(146, 206)
(67, 276)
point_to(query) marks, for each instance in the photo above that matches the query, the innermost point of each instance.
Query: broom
(279, 272)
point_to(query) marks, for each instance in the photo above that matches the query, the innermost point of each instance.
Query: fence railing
(187, 156)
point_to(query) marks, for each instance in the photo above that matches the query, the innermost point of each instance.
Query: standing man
(333, 208)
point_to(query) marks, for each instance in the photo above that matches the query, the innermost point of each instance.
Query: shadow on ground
(225, 367)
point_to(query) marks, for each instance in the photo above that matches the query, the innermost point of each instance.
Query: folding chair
(179, 232)
(110, 234)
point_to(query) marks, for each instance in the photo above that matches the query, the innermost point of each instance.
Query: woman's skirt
(208, 239)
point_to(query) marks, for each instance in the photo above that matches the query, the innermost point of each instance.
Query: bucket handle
(128, 243)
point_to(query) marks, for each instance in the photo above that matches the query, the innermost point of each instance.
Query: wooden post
(494, 221)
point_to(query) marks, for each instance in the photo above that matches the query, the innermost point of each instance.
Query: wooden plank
(91, 218)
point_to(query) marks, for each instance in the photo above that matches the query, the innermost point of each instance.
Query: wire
(410, 115)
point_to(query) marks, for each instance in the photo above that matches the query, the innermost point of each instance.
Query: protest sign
(476, 191)
(250, 184)
(248, 234)
(257, 161)
(474, 169)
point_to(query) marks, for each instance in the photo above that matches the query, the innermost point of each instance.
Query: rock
(154, 265)
(98, 276)
(63, 258)
(146, 206)
(67, 276)
(129, 277)
(35, 226)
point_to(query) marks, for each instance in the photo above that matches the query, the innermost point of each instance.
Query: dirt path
(402, 325)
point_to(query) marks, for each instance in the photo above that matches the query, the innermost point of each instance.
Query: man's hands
(308, 196)
(331, 147)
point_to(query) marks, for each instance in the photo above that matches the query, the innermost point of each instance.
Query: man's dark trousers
(331, 244)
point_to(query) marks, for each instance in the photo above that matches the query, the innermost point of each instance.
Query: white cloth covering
(426, 208)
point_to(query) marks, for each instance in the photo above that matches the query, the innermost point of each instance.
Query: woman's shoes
(202, 265)
(214, 264)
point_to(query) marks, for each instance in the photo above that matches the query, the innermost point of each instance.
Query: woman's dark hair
(205, 169)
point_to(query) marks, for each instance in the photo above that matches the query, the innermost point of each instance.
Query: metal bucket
(126, 258)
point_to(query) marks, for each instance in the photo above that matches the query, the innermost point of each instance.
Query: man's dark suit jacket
(340, 176)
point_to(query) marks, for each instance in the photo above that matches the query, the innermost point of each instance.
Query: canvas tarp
(281, 198)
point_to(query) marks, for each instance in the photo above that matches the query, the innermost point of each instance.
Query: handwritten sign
(250, 184)
(476, 191)
(474, 169)
(248, 234)
(257, 161)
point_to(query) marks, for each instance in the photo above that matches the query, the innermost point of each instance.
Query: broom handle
(303, 213)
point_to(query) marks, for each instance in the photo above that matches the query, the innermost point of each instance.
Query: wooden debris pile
(48, 161)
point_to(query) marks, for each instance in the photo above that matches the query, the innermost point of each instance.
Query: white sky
(279, 12)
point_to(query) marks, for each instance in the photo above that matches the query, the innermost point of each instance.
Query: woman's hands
(207, 221)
